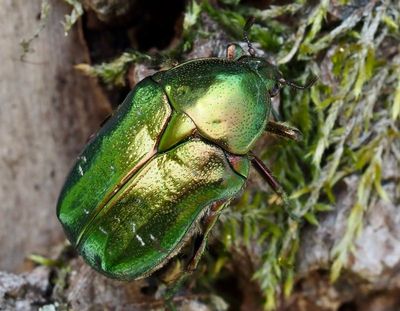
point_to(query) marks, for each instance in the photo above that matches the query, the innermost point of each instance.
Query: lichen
(44, 15)
(73, 17)
(113, 73)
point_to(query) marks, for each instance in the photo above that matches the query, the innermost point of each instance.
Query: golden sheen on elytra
(176, 149)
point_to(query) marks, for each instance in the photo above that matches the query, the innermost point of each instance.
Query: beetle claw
(288, 208)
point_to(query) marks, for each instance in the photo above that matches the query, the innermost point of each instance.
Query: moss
(73, 17)
(114, 72)
(44, 15)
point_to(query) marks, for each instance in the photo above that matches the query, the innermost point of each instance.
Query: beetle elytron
(174, 154)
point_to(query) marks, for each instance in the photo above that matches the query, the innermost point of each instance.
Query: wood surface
(47, 112)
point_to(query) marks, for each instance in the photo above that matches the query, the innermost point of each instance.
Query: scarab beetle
(177, 150)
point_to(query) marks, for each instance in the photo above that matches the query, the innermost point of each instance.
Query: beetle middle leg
(266, 173)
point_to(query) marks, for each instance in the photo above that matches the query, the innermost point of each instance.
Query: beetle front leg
(283, 130)
(266, 173)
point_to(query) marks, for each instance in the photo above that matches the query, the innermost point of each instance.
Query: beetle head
(269, 73)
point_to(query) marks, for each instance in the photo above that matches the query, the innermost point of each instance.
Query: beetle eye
(275, 90)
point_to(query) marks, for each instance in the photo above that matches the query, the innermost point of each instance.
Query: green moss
(114, 72)
(44, 261)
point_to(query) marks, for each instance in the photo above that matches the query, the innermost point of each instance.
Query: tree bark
(47, 112)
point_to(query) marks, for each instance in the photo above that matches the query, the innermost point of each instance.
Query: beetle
(175, 153)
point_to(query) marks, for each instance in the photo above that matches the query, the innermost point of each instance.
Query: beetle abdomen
(113, 156)
(148, 219)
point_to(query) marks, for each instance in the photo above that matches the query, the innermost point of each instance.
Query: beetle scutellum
(175, 153)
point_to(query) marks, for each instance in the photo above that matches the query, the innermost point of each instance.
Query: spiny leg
(283, 130)
(275, 114)
(250, 21)
(266, 173)
(208, 223)
(234, 51)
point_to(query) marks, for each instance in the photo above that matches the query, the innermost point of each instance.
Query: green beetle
(174, 154)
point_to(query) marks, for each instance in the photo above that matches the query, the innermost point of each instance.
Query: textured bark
(371, 277)
(47, 111)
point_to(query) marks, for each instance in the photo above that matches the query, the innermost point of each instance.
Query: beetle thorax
(227, 101)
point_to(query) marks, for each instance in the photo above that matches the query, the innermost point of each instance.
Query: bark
(47, 112)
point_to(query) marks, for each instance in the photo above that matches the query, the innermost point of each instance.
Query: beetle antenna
(247, 26)
(309, 84)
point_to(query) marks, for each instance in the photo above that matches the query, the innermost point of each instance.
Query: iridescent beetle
(175, 153)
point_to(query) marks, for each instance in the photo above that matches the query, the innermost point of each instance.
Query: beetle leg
(208, 223)
(234, 50)
(275, 114)
(266, 173)
(283, 130)
(250, 21)
(200, 243)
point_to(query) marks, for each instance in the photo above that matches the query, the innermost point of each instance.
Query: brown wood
(47, 111)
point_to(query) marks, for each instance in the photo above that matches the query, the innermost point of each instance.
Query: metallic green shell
(177, 144)
(147, 221)
(228, 101)
(125, 142)
(180, 126)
